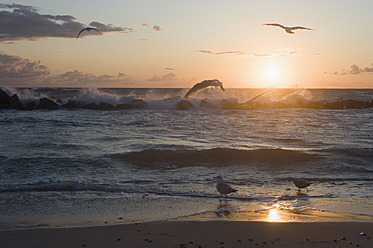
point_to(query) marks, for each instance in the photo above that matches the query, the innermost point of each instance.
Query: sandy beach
(197, 234)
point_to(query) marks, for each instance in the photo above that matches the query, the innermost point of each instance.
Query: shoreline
(212, 233)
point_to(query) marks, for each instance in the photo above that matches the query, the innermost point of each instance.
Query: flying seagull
(204, 84)
(301, 183)
(288, 30)
(87, 29)
(223, 188)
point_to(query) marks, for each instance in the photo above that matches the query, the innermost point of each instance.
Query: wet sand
(198, 234)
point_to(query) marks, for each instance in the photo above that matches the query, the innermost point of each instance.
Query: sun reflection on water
(273, 215)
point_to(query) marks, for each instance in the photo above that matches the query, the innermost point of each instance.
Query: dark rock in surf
(14, 102)
(138, 104)
(334, 105)
(315, 105)
(205, 104)
(70, 104)
(123, 106)
(184, 105)
(135, 104)
(106, 106)
(225, 104)
(46, 103)
(4, 98)
(281, 105)
(90, 106)
(353, 104)
(29, 105)
(59, 101)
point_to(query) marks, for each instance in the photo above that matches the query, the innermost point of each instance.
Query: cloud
(169, 69)
(353, 71)
(221, 53)
(21, 22)
(79, 78)
(157, 28)
(166, 77)
(14, 67)
(279, 52)
(17, 72)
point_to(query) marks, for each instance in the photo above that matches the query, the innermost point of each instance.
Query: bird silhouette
(87, 29)
(301, 183)
(288, 30)
(204, 84)
(223, 188)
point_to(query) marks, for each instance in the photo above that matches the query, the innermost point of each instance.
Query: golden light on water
(273, 215)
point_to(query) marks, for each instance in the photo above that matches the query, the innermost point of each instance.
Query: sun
(272, 74)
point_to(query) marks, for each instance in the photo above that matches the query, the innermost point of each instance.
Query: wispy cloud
(353, 71)
(20, 22)
(169, 69)
(155, 27)
(278, 53)
(16, 72)
(165, 77)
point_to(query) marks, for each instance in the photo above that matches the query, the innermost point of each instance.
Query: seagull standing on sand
(223, 188)
(204, 84)
(301, 183)
(288, 30)
(87, 29)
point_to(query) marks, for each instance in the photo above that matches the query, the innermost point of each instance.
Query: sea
(82, 167)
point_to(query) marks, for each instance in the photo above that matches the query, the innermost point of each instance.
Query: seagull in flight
(204, 84)
(288, 30)
(87, 29)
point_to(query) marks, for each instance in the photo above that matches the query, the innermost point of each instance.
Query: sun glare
(272, 73)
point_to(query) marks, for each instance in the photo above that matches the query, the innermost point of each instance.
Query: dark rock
(258, 105)
(14, 102)
(123, 106)
(353, 104)
(334, 105)
(135, 104)
(70, 104)
(29, 105)
(184, 105)
(281, 105)
(315, 105)
(205, 104)
(46, 103)
(90, 106)
(225, 104)
(138, 104)
(4, 97)
(59, 101)
(105, 106)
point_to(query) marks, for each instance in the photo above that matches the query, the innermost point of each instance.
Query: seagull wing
(96, 30)
(299, 27)
(84, 29)
(275, 24)
(197, 87)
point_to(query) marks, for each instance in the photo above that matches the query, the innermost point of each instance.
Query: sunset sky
(175, 43)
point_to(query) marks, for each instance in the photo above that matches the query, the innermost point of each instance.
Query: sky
(177, 43)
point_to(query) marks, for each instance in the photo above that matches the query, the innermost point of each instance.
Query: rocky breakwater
(13, 102)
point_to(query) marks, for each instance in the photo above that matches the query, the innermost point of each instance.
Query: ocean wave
(166, 99)
(214, 157)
